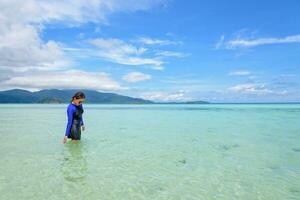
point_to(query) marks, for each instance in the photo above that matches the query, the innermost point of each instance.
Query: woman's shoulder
(71, 106)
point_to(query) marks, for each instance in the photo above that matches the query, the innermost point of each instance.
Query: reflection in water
(74, 165)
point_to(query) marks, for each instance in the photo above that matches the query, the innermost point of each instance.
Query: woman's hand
(65, 139)
(82, 127)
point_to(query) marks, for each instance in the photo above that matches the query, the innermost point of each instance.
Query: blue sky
(160, 50)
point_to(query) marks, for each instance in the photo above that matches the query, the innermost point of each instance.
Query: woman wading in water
(75, 121)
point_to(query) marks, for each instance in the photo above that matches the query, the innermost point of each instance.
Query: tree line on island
(56, 96)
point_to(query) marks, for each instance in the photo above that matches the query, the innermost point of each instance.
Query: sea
(151, 152)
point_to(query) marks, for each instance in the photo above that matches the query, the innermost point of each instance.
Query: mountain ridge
(64, 96)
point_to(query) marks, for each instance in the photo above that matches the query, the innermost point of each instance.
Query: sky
(160, 50)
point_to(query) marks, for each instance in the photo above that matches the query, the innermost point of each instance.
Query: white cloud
(166, 96)
(71, 12)
(27, 61)
(247, 42)
(36, 80)
(250, 88)
(23, 22)
(219, 44)
(136, 77)
(170, 54)
(239, 73)
(240, 43)
(153, 41)
(157, 67)
(120, 52)
(21, 49)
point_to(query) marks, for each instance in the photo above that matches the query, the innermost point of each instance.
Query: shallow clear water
(212, 152)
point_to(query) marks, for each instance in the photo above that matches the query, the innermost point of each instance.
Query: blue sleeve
(70, 112)
(81, 120)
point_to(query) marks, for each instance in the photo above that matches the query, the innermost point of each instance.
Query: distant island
(56, 96)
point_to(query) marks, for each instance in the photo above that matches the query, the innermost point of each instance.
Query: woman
(75, 121)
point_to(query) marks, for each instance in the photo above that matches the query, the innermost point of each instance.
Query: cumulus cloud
(22, 23)
(136, 77)
(21, 49)
(37, 80)
(28, 61)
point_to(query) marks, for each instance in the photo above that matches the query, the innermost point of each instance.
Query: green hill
(64, 96)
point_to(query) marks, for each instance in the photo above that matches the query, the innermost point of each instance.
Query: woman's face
(78, 101)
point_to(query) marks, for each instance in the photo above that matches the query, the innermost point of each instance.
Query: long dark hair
(78, 95)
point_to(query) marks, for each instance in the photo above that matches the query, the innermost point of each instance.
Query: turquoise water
(153, 152)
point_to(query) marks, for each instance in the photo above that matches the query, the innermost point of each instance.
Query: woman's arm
(70, 112)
